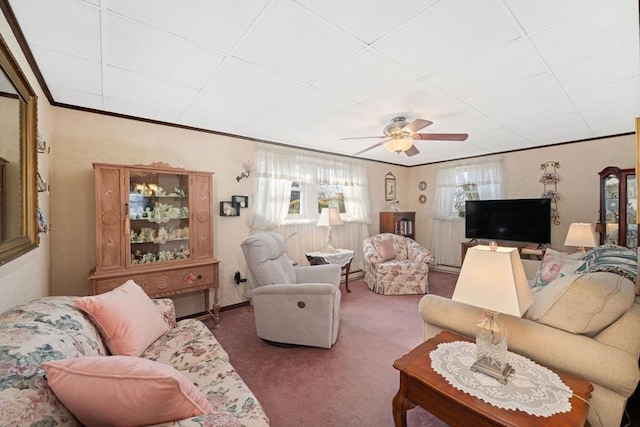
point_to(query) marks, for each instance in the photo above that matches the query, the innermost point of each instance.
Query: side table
(341, 257)
(421, 385)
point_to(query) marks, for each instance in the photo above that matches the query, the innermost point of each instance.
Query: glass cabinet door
(632, 208)
(158, 223)
(611, 209)
(618, 207)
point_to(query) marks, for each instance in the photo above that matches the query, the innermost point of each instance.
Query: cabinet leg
(215, 314)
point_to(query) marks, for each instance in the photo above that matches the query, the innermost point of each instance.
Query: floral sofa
(396, 265)
(50, 329)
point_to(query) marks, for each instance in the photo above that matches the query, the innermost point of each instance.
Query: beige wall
(579, 185)
(83, 138)
(27, 277)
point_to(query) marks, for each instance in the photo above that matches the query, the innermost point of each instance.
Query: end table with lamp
(341, 257)
(423, 383)
(483, 384)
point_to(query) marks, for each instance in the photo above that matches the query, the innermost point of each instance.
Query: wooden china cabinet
(154, 226)
(618, 207)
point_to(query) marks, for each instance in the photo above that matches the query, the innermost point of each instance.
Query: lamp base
(488, 367)
(329, 249)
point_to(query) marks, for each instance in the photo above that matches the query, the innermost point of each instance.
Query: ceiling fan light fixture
(399, 144)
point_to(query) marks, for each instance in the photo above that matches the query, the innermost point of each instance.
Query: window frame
(310, 201)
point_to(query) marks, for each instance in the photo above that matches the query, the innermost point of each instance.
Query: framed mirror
(18, 193)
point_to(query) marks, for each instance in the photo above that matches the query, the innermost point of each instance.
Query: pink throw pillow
(556, 264)
(123, 391)
(385, 249)
(127, 318)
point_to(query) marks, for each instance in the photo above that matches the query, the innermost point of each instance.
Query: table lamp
(493, 278)
(328, 218)
(581, 234)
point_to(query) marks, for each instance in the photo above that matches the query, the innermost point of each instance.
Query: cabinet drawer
(163, 283)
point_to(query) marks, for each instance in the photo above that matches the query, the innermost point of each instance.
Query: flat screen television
(519, 220)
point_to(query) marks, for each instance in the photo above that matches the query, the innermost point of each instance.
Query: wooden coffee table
(421, 385)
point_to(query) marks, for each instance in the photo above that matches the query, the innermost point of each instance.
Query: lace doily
(342, 257)
(531, 388)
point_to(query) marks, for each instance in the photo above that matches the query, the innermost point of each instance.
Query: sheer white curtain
(276, 169)
(448, 226)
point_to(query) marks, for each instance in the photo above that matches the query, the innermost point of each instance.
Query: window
(463, 193)
(307, 200)
(455, 184)
(330, 195)
(295, 203)
(292, 188)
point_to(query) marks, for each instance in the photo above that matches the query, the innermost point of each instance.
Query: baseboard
(445, 268)
(354, 275)
(203, 315)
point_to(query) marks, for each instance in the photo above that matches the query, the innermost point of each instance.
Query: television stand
(529, 250)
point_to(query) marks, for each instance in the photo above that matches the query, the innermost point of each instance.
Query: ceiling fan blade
(371, 148)
(442, 136)
(412, 151)
(416, 125)
(363, 137)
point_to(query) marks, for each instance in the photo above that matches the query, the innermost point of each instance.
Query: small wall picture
(389, 187)
(242, 201)
(229, 209)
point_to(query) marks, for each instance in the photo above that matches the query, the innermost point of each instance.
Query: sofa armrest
(167, 309)
(599, 363)
(324, 273)
(418, 253)
(369, 252)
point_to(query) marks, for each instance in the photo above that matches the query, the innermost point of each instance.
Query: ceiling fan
(400, 135)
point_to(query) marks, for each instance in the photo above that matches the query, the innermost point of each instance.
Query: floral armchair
(396, 265)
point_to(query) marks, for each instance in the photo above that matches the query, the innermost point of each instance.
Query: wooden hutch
(154, 226)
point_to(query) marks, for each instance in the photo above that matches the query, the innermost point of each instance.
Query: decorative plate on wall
(422, 185)
(422, 199)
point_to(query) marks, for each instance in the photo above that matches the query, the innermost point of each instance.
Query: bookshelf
(401, 223)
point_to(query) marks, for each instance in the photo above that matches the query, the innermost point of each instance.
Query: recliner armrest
(325, 273)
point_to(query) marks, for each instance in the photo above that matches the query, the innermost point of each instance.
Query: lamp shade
(399, 144)
(329, 217)
(494, 280)
(581, 234)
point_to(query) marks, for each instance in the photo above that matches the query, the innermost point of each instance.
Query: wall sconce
(248, 168)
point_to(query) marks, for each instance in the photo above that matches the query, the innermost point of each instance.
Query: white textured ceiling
(512, 74)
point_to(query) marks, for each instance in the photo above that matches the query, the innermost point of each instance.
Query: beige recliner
(292, 305)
